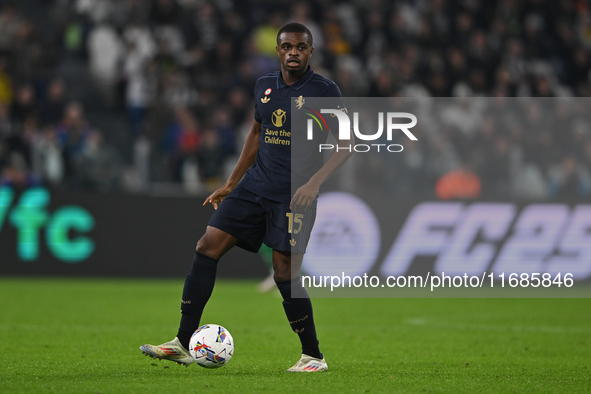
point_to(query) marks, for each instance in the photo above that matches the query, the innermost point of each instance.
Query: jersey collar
(298, 84)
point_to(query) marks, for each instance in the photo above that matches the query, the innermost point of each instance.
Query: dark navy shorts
(254, 220)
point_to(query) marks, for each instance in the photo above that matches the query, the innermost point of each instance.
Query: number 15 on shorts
(294, 218)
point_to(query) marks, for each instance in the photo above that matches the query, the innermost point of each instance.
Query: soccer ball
(211, 346)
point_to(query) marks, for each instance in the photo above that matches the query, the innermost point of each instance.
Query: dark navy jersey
(271, 175)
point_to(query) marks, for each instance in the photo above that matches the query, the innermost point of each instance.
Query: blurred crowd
(183, 71)
(469, 147)
(45, 138)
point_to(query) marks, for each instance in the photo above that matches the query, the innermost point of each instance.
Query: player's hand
(304, 197)
(218, 196)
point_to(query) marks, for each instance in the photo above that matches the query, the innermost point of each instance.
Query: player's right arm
(247, 157)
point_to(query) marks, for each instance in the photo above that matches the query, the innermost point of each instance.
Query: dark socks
(184, 337)
(198, 288)
(299, 314)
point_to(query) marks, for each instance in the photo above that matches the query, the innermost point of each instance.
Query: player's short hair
(296, 28)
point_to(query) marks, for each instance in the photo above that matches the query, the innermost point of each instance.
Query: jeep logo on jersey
(278, 117)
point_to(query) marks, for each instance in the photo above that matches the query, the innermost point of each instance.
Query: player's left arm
(305, 195)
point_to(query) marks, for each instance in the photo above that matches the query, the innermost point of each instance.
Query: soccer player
(256, 205)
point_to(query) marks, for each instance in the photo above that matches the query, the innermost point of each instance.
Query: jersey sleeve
(333, 92)
(257, 115)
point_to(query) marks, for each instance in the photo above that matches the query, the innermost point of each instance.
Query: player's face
(294, 50)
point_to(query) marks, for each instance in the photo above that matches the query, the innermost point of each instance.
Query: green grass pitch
(83, 336)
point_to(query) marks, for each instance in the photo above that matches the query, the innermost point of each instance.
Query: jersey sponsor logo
(278, 117)
(277, 137)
